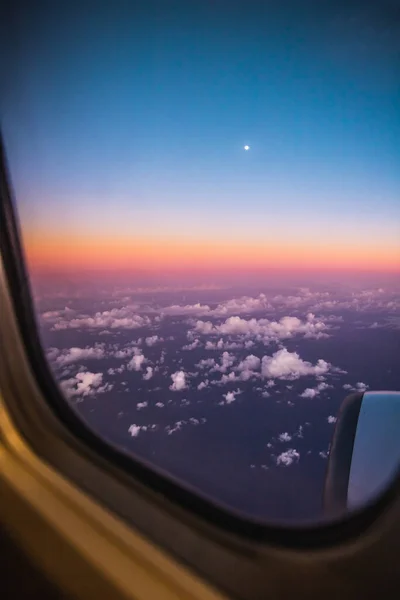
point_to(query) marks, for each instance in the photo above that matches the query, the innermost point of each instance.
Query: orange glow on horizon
(45, 253)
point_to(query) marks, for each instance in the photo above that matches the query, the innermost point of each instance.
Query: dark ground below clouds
(216, 456)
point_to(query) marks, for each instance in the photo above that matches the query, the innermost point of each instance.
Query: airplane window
(208, 195)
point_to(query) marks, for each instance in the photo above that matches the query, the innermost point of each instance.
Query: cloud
(265, 330)
(244, 304)
(113, 371)
(214, 345)
(247, 367)
(160, 404)
(367, 300)
(361, 387)
(149, 373)
(251, 362)
(331, 419)
(170, 429)
(361, 300)
(226, 361)
(284, 437)
(188, 309)
(230, 397)
(134, 430)
(204, 327)
(288, 365)
(203, 384)
(150, 341)
(176, 427)
(323, 386)
(53, 316)
(141, 405)
(287, 458)
(71, 355)
(117, 318)
(136, 362)
(231, 377)
(223, 345)
(195, 344)
(178, 381)
(206, 362)
(312, 392)
(52, 353)
(309, 393)
(84, 384)
(125, 352)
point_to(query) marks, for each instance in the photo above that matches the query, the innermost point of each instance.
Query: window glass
(208, 195)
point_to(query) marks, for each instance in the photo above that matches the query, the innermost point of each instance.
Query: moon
(246, 147)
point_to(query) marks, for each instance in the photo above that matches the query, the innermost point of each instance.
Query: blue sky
(114, 113)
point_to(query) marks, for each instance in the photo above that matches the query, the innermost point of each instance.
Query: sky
(125, 125)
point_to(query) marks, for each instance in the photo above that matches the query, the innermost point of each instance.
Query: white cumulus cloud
(117, 318)
(134, 430)
(195, 344)
(188, 309)
(309, 393)
(136, 362)
(149, 373)
(361, 387)
(71, 355)
(203, 384)
(178, 381)
(229, 397)
(247, 368)
(287, 458)
(113, 371)
(251, 362)
(226, 361)
(242, 305)
(125, 352)
(265, 330)
(223, 345)
(284, 437)
(84, 384)
(206, 362)
(153, 339)
(288, 365)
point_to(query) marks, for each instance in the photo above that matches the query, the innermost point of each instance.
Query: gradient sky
(125, 122)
